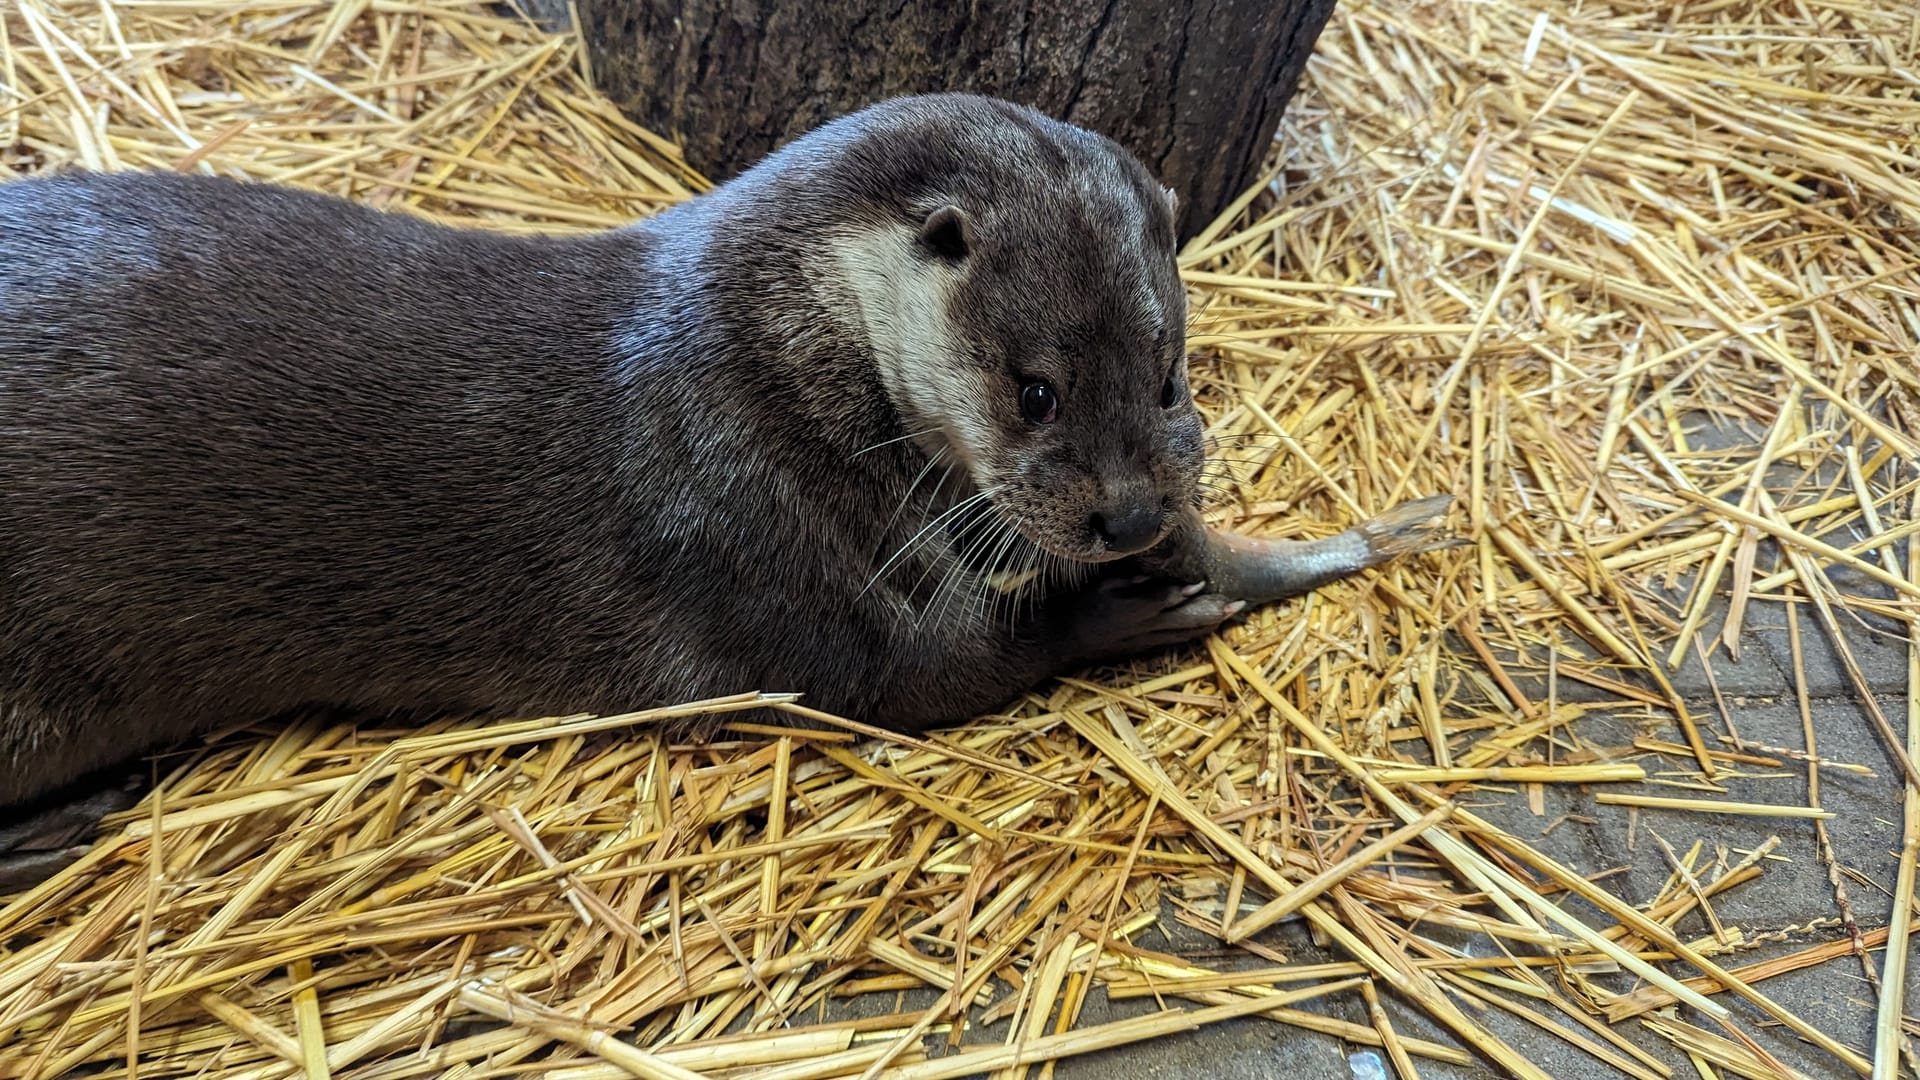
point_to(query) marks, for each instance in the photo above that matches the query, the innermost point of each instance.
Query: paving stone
(1254, 1049)
(1754, 673)
(1710, 433)
(1879, 649)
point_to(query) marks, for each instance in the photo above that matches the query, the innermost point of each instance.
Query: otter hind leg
(58, 830)
(56, 783)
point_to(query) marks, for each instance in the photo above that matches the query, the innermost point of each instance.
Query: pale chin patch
(903, 299)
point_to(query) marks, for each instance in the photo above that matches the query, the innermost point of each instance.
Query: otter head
(1015, 278)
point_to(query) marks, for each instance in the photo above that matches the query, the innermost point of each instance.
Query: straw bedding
(1526, 251)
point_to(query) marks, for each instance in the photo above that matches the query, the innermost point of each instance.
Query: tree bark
(1194, 89)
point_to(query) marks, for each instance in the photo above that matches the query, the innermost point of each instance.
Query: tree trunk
(1194, 89)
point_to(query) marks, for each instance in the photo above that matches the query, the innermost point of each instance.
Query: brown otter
(898, 419)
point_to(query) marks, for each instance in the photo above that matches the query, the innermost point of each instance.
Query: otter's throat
(904, 300)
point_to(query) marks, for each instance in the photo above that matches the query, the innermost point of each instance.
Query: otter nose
(1127, 528)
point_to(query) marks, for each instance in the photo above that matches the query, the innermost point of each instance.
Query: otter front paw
(1127, 616)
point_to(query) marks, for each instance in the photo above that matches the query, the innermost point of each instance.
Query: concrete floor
(1794, 905)
(1794, 894)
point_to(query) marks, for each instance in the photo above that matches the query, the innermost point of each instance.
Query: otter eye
(1170, 392)
(1039, 403)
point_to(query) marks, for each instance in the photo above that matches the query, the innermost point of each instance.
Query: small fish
(1261, 571)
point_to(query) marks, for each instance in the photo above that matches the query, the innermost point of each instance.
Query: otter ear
(944, 233)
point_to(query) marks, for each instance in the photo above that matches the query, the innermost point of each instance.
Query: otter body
(897, 420)
(263, 449)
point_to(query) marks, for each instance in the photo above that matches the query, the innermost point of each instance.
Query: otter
(897, 419)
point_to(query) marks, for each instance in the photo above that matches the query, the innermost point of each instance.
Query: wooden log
(1194, 89)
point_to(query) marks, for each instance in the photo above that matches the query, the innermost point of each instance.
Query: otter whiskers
(957, 577)
(972, 501)
(931, 464)
(890, 442)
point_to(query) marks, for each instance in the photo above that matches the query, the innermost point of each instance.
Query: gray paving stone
(1252, 1049)
(1879, 649)
(1711, 433)
(1754, 673)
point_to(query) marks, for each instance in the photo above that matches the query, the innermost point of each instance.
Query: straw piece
(307, 1025)
(1647, 999)
(503, 1004)
(1283, 906)
(1711, 806)
(1100, 1037)
(1893, 980)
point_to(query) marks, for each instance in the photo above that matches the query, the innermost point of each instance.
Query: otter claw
(1408, 529)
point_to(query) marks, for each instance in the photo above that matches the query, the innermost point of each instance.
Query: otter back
(260, 449)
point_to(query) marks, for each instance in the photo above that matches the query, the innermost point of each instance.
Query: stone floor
(1760, 698)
